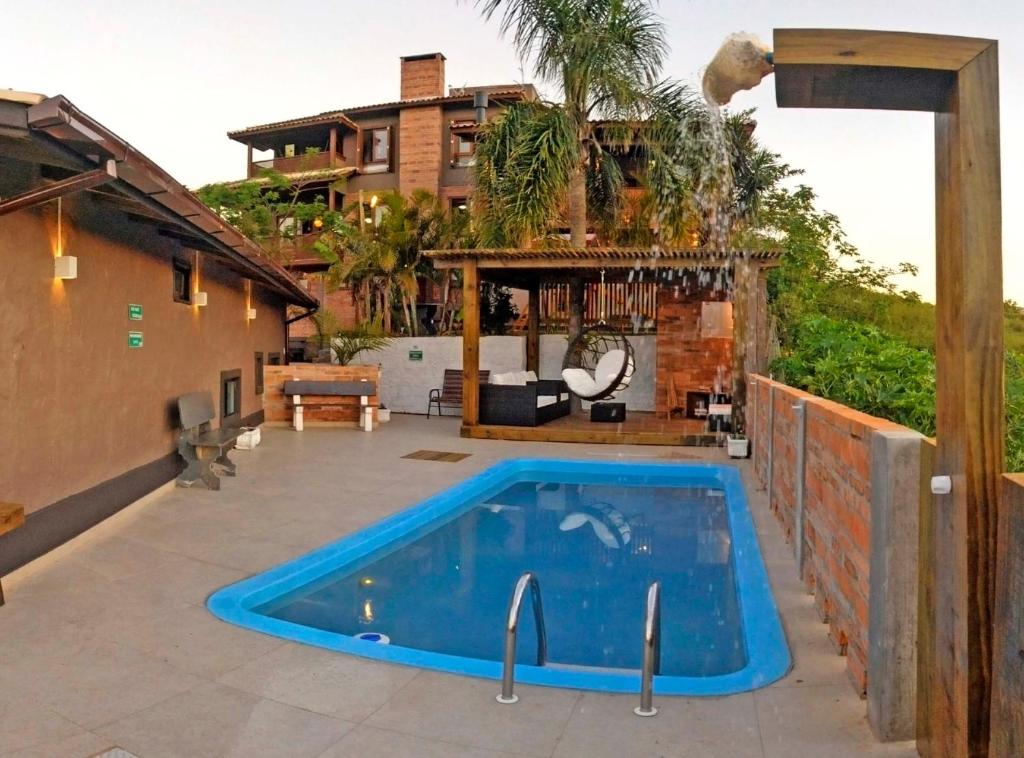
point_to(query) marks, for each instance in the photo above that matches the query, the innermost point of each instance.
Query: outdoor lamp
(250, 313)
(202, 299)
(65, 267)
(318, 223)
(373, 201)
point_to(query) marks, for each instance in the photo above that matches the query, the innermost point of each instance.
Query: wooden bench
(11, 517)
(202, 446)
(449, 395)
(318, 395)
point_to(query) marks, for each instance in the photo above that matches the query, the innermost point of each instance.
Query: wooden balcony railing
(306, 162)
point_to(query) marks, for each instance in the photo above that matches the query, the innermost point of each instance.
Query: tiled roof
(521, 91)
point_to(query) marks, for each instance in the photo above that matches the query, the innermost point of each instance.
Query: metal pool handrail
(652, 651)
(515, 603)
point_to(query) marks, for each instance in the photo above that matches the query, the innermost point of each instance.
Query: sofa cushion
(546, 400)
(579, 381)
(608, 367)
(531, 376)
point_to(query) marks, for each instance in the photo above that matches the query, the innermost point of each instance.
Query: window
(273, 359)
(182, 287)
(258, 372)
(230, 397)
(463, 143)
(377, 148)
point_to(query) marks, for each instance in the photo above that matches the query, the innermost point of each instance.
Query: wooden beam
(1008, 658)
(871, 47)
(533, 327)
(470, 345)
(969, 414)
(52, 191)
(549, 433)
(248, 161)
(332, 147)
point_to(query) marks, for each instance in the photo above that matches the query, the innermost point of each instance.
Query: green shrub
(865, 368)
(862, 367)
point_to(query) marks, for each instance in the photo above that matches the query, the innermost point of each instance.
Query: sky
(172, 77)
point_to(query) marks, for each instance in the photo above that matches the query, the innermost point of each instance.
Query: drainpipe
(289, 321)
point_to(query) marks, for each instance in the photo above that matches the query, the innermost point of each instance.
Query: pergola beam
(78, 183)
(470, 344)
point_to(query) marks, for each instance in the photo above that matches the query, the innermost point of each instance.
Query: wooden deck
(638, 429)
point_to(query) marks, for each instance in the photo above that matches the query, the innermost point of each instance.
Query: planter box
(383, 415)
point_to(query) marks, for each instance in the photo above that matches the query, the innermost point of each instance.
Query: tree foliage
(538, 159)
(276, 210)
(848, 333)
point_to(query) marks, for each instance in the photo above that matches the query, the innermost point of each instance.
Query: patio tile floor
(106, 641)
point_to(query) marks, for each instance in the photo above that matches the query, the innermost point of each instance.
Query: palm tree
(383, 261)
(604, 56)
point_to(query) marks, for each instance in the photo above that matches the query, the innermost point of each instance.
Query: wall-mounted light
(65, 267)
(250, 313)
(201, 299)
(318, 223)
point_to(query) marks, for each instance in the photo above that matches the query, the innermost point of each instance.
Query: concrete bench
(200, 445)
(315, 395)
(11, 517)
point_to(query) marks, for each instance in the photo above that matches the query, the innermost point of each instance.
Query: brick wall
(836, 524)
(422, 76)
(338, 301)
(346, 411)
(419, 134)
(693, 363)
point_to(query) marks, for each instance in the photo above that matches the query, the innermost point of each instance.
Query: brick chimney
(422, 76)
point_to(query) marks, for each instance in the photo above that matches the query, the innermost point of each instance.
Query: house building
(423, 140)
(121, 292)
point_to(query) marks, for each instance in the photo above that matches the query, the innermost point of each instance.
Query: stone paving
(106, 642)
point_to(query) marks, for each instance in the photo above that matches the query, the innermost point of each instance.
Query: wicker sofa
(520, 399)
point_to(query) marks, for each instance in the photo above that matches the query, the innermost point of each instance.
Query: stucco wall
(79, 406)
(405, 384)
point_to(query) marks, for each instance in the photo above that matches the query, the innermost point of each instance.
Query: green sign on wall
(134, 339)
(134, 312)
(415, 355)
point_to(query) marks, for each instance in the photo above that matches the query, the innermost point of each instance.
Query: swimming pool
(434, 580)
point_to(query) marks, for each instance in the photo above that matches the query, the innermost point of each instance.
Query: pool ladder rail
(527, 581)
(652, 641)
(652, 651)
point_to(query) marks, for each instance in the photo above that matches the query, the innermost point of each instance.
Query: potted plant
(383, 414)
(737, 445)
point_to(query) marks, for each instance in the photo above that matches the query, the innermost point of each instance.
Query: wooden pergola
(528, 268)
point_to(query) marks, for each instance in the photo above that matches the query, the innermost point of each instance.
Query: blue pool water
(435, 580)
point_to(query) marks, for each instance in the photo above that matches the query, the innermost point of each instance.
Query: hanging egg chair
(599, 362)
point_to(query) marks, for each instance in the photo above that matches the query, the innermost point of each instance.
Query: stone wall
(405, 384)
(343, 410)
(824, 499)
